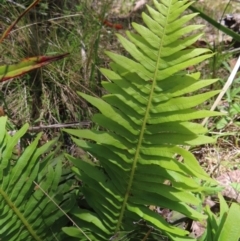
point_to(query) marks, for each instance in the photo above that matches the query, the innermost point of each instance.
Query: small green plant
(225, 225)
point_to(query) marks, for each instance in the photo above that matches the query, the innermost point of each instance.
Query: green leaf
(230, 230)
(11, 71)
(224, 227)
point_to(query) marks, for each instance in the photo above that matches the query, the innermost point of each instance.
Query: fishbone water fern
(27, 213)
(145, 121)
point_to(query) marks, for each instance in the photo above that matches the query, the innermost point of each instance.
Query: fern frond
(147, 116)
(26, 212)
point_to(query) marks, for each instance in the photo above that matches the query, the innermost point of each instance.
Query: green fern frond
(148, 115)
(26, 212)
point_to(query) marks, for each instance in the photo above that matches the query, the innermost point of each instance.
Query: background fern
(27, 213)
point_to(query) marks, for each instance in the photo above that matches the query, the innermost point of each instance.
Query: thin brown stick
(81, 124)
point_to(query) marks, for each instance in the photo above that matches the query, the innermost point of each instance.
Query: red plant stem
(112, 25)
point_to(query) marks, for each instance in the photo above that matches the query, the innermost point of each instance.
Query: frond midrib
(143, 127)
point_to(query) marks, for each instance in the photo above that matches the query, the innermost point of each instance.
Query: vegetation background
(47, 98)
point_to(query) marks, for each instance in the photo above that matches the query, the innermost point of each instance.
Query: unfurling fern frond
(148, 116)
(27, 213)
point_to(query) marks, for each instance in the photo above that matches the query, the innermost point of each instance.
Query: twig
(83, 123)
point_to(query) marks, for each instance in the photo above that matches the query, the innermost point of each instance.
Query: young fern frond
(148, 115)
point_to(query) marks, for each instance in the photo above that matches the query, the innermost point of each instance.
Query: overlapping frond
(26, 212)
(147, 117)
